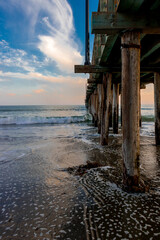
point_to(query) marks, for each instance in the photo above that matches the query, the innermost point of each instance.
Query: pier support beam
(121, 107)
(110, 108)
(106, 98)
(97, 103)
(157, 106)
(115, 107)
(95, 108)
(99, 89)
(130, 108)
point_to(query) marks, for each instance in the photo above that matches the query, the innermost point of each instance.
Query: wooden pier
(126, 57)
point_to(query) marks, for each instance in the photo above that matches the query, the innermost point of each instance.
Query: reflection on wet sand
(40, 199)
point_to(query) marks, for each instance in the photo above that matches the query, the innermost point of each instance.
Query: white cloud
(61, 52)
(60, 45)
(58, 40)
(17, 58)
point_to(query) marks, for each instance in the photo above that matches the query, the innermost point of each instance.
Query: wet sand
(41, 199)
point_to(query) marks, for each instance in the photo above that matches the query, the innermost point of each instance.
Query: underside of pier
(125, 57)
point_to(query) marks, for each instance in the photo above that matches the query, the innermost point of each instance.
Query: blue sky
(40, 41)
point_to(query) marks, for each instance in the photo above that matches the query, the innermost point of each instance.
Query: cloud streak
(57, 39)
(10, 76)
(60, 45)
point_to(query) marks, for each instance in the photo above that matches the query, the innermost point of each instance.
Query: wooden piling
(130, 108)
(94, 107)
(103, 109)
(115, 107)
(157, 106)
(106, 96)
(108, 103)
(99, 89)
(110, 108)
(97, 106)
(121, 107)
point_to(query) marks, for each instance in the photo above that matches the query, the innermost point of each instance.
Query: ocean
(42, 193)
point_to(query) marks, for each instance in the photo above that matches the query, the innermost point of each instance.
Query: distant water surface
(21, 115)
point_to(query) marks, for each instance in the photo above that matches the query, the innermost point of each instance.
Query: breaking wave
(43, 120)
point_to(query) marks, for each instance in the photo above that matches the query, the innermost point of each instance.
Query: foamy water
(25, 115)
(24, 125)
(28, 115)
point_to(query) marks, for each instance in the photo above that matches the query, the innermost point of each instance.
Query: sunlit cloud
(11, 94)
(39, 91)
(61, 52)
(59, 44)
(75, 80)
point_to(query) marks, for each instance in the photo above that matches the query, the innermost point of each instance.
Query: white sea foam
(42, 120)
(147, 129)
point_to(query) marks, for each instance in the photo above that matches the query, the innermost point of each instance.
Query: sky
(40, 42)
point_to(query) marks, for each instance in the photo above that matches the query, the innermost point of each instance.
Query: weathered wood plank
(91, 69)
(108, 48)
(100, 69)
(115, 107)
(97, 81)
(108, 23)
(144, 81)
